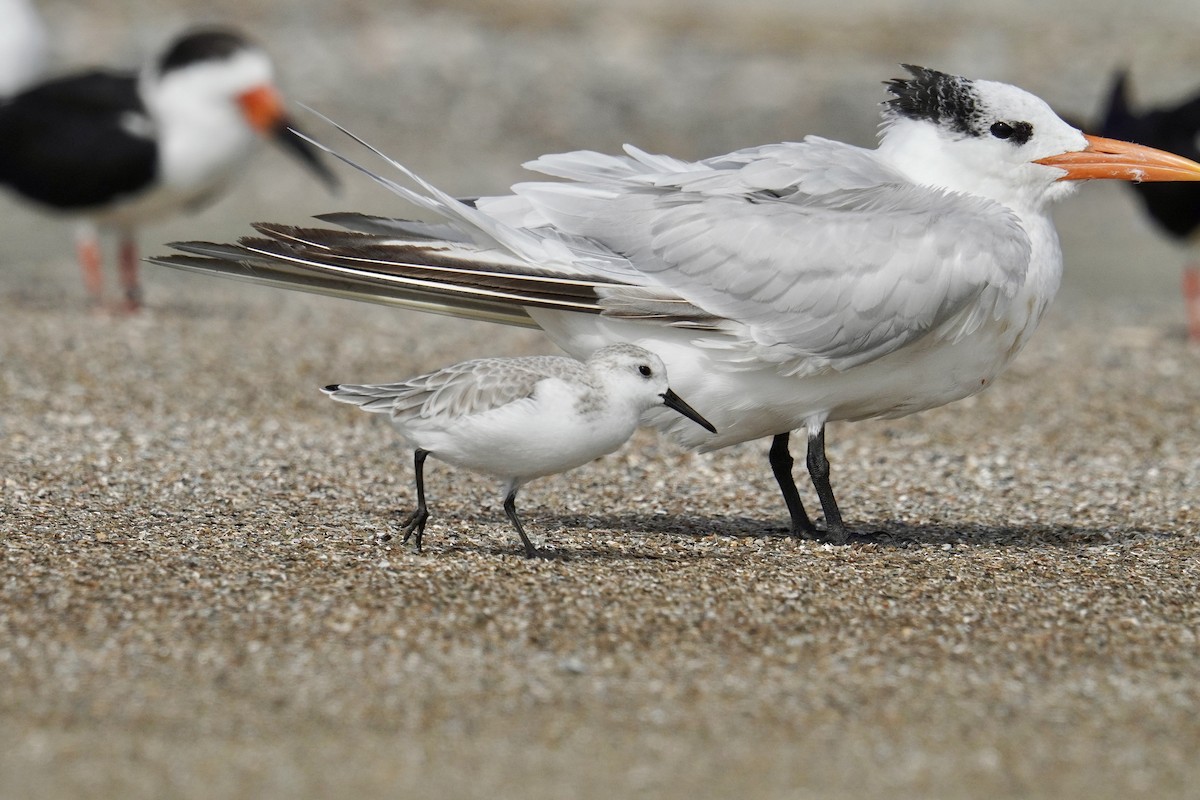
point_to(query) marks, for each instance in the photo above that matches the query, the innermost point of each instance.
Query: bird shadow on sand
(879, 534)
(553, 549)
(568, 537)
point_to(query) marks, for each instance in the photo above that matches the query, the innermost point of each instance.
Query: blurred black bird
(122, 149)
(1174, 207)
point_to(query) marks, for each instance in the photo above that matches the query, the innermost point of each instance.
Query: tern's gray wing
(810, 255)
(815, 166)
(470, 387)
(830, 279)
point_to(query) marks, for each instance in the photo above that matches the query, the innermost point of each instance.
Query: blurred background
(465, 90)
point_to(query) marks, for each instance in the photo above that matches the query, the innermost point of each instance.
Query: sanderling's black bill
(674, 401)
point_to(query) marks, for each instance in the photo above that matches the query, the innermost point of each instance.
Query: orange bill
(1113, 159)
(263, 108)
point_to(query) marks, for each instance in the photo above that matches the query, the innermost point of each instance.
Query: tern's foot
(809, 531)
(856, 537)
(804, 529)
(801, 531)
(838, 535)
(841, 536)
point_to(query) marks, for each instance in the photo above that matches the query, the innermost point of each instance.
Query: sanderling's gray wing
(470, 387)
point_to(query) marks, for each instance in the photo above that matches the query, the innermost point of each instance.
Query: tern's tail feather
(417, 272)
(470, 264)
(410, 268)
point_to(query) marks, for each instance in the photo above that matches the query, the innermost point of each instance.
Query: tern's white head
(997, 141)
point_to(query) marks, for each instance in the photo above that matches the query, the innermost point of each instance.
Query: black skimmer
(1174, 207)
(784, 286)
(123, 149)
(22, 45)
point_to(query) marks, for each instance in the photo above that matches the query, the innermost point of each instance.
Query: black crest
(212, 44)
(943, 99)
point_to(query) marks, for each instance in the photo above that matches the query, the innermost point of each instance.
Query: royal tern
(22, 45)
(784, 286)
(123, 149)
(1174, 207)
(520, 418)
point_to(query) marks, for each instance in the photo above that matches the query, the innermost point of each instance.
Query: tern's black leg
(818, 469)
(781, 465)
(510, 508)
(416, 521)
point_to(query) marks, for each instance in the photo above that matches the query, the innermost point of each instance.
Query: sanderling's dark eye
(645, 370)
(1002, 130)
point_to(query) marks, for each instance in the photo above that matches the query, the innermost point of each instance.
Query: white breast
(546, 433)
(756, 399)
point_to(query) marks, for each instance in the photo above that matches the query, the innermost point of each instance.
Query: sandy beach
(194, 602)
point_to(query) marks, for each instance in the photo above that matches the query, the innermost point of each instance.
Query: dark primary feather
(387, 226)
(64, 144)
(418, 261)
(1173, 206)
(413, 276)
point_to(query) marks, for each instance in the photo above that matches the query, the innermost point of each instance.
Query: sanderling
(520, 418)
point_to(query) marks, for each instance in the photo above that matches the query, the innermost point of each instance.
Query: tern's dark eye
(645, 370)
(1017, 132)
